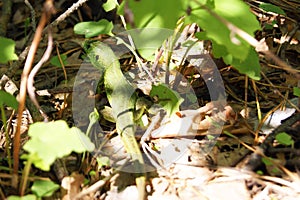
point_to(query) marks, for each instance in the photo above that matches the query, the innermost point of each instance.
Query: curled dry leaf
(189, 122)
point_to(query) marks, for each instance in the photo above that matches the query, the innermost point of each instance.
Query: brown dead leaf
(71, 186)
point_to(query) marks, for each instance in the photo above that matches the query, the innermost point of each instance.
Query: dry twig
(48, 11)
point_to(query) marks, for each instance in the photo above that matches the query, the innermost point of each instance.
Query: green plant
(219, 20)
(40, 188)
(285, 139)
(92, 29)
(296, 91)
(214, 17)
(7, 99)
(50, 141)
(55, 60)
(167, 98)
(42, 152)
(7, 50)
(43, 188)
(271, 8)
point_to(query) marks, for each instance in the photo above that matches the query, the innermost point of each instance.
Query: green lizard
(121, 96)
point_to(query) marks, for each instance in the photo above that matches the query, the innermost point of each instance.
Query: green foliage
(155, 13)
(103, 161)
(110, 5)
(26, 24)
(284, 138)
(92, 29)
(44, 188)
(235, 12)
(249, 66)
(296, 91)
(8, 100)
(55, 60)
(93, 117)
(226, 44)
(7, 50)
(146, 41)
(260, 172)
(170, 100)
(207, 14)
(49, 141)
(234, 50)
(271, 8)
(267, 161)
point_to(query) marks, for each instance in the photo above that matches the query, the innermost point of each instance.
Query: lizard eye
(97, 57)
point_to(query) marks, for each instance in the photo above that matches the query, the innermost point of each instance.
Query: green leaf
(250, 66)
(55, 61)
(44, 188)
(296, 91)
(94, 116)
(7, 50)
(153, 13)
(27, 197)
(272, 8)
(234, 11)
(284, 138)
(110, 5)
(169, 99)
(8, 99)
(260, 172)
(92, 173)
(92, 29)
(148, 40)
(49, 141)
(103, 161)
(267, 161)
(156, 13)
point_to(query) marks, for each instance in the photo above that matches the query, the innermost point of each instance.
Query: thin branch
(63, 16)
(48, 10)
(32, 11)
(30, 87)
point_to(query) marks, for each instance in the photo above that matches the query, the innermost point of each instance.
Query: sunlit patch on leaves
(233, 49)
(230, 46)
(103, 161)
(7, 50)
(49, 141)
(92, 29)
(234, 11)
(146, 41)
(110, 5)
(154, 13)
